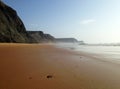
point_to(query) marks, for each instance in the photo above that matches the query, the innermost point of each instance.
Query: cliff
(12, 29)
(39, 36)
(66, 40)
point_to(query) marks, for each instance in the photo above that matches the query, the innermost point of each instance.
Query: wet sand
(24, 66)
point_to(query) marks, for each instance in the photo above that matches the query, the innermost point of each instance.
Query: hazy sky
(94, 21)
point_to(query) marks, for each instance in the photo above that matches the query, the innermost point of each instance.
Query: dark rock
(49, 76)
(12, 28)
(39, 36)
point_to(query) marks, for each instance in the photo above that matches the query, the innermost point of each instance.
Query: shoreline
(98, 56)
(48, 67)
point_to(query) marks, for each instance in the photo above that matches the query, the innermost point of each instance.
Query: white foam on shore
(109, 53)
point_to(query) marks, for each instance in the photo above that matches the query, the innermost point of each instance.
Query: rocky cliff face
(13, 30)
(39, 36)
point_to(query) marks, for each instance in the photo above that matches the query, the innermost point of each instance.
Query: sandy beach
(24, 66)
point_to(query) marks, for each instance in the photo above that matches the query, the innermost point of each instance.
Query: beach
(43, 66)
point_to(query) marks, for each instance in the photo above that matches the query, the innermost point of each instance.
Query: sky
(93, 21)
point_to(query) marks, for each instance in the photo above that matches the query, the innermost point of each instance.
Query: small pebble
(49, 76)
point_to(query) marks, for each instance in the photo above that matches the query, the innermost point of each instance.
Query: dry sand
(47, 67)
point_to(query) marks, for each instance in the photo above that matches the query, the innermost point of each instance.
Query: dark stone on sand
(49, 76)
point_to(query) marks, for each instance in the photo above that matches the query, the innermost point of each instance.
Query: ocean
(109, 53)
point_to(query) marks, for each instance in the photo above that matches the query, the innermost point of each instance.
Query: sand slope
(47, 67)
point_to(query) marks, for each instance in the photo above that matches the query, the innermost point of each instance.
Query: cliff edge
(41, 37)
(12, 29)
